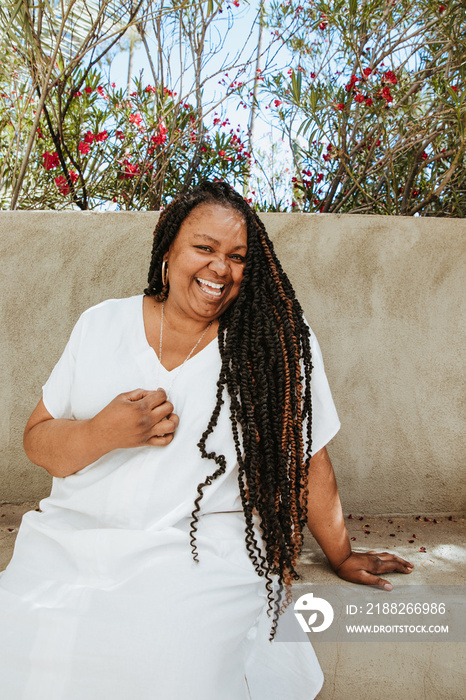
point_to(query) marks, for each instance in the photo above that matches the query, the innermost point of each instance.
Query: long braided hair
(265, 351)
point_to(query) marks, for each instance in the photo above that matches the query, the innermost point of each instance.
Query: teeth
(210, 284)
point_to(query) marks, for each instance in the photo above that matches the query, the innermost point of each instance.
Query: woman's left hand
(364, 567)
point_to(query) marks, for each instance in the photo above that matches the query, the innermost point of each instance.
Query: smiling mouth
(211, 288)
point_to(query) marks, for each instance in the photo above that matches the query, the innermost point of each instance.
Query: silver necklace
(180, 368)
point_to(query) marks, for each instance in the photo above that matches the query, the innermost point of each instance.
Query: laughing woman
(185, 430)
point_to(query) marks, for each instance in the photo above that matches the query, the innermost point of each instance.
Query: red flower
(62, 183)
(120, 134)
(322, 25)
(236, 3)
(51, 160)
(39, 133)
(101, 136)
(352, 83)
(340, 106)
(441, 9)
(113, 85)
(161, 136)
(100, 90)
(367, 72)
(454, 87)
(390, 77)
(84, 147)
(135, 118)
(277, 103)
(385, 94)
(424, 155)
(319, 178)
(359, 97)
(89, 137)
(369, 101)
(149, 88)
(313, 75)
(128, 170)
(222, 154)
(88, 90)
(78, 93)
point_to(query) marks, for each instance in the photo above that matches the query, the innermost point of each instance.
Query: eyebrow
(215, 242)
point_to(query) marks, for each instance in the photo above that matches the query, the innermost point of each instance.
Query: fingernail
(410, 568)
(388, 586)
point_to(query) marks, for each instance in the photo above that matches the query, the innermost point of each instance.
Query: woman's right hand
(136, 418)
(133, 419)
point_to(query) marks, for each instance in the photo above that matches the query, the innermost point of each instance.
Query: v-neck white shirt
(107, 354)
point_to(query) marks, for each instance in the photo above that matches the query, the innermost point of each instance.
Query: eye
(204, 247)
(238, 258)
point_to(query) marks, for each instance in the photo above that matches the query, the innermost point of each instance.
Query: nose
(220, 265)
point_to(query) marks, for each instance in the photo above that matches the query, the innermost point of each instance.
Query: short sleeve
(56, 392)
(325, 421)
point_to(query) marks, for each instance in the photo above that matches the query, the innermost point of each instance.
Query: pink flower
(89, 137)
(84, 147)
(51, 160)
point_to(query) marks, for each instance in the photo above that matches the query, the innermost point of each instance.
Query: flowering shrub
(378, 100)
(97, 146)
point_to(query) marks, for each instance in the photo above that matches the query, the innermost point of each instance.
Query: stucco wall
(383, 294)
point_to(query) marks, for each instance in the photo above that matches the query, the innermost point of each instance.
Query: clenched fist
(136, 418)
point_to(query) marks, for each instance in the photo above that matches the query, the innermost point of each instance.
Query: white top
(108, 354)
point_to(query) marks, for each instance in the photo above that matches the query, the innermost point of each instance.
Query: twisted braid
(265, 350)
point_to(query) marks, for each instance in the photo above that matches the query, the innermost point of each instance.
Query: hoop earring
(164, 273)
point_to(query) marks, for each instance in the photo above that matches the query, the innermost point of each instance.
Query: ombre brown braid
(266, 366)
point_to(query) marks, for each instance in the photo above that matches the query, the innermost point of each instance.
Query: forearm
(62, 446)
(325, 515)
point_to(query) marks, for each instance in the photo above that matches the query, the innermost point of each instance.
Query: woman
(187, 445)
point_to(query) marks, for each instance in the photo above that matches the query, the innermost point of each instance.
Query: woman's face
(206, 261)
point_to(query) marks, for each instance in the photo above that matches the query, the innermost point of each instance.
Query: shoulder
(110, 314)
(112, 309)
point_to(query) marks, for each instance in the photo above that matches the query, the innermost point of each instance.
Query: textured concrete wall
(383, 295)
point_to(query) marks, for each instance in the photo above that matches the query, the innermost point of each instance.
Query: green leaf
(296, 80)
